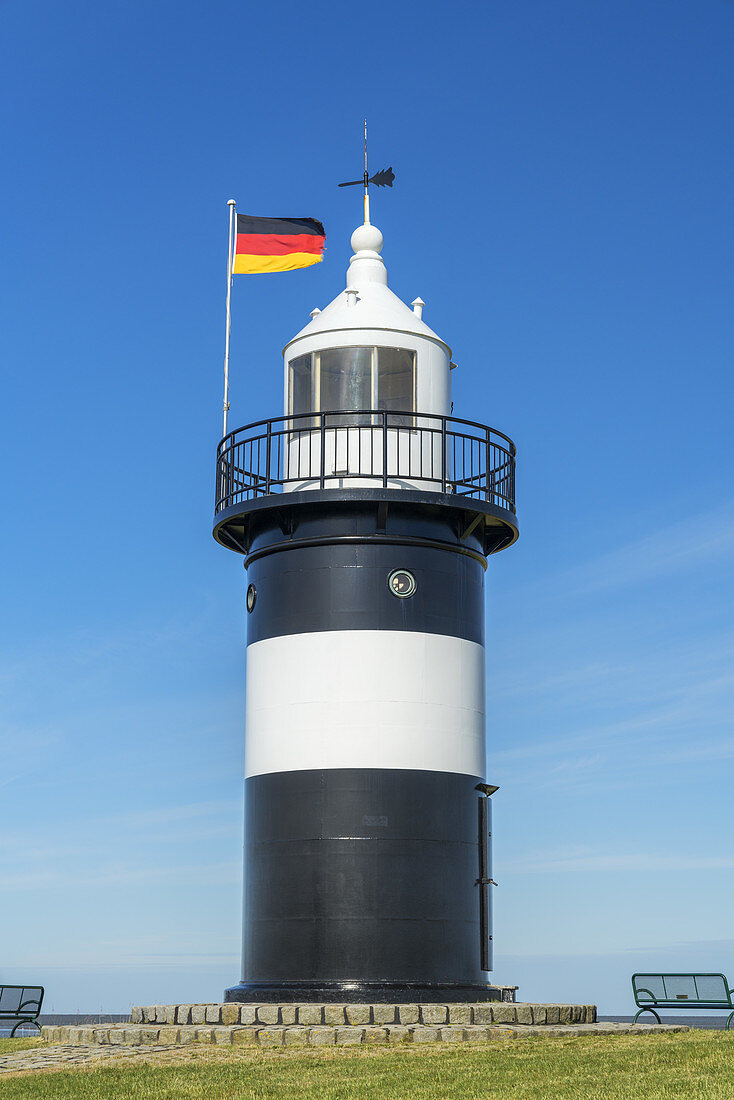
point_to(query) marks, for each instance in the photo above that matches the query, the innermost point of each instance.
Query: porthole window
(251, 597)
(401, 583)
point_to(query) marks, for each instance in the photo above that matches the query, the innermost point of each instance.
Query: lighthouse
(366, 515)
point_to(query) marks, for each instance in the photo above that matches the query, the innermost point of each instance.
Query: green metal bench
(20, 1003)
(653, 991)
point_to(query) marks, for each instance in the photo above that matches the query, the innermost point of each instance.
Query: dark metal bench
(20, 1003)
(653, 991)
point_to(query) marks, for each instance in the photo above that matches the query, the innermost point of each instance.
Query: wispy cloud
(676, 547)
(580, 860)
(194, 875)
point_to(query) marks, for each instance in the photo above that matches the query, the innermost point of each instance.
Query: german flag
(277, 244)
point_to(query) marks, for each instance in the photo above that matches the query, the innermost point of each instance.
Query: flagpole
(366, 180)
(231, 204)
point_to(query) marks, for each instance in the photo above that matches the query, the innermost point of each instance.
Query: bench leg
(728, 1022)
(653, 1012)
(22, 1023)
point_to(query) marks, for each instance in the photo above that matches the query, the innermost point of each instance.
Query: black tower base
(361, 993)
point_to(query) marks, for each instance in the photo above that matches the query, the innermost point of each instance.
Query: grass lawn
(7, 1046)
(698, 1065)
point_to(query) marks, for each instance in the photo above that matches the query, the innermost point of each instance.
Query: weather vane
(384, 178)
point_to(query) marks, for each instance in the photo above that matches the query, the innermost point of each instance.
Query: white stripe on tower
(365, 699)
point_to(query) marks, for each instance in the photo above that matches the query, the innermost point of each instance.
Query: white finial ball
(367, 238)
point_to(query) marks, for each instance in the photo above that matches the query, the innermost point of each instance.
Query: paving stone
(452, 1034)
(296, 1036)
(198, 1014)
(424, 1034)
(434, 1014)
(552, 1014)
(268, 1014)
(213, 1014)
(170, 1014)
(540, 1013)
(408, 1014)
(348, 1036)
(101, 1035)
(524, 1014)
(564, 1014)
(230, 1014)
(248, 1014)
(188, 1034)
(117, 1036)
(270, 1036)
(160, 1014)
(309, 1014)
(357, 1014)
(244, 1035)
(223, 1036)
(288, 1014)
(205, 1034)
(137, 1015)
(483, 1013)
(398, 1034)
(183, 1014)
(147, 1035)
(384, 1014)
(476, 1034)
(460, 1014)
(374, 1035)
(322, 1036)
(334, 1015)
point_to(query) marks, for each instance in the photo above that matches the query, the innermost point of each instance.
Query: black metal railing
(328, 449)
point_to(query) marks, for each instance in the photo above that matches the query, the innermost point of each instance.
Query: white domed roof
(367, 302)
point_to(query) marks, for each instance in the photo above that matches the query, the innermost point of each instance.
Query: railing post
(384, 449)
(268, 440)
(323, 449)
(488, 472)
(443, 454)
(513, 452)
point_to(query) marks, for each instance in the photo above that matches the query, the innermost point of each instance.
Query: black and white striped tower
(366, 516)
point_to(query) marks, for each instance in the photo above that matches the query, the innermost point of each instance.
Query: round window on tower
(251, 597)
(401, 583)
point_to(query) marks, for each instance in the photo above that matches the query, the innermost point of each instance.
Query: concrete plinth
(331, 1024)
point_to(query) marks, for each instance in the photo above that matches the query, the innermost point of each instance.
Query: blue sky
(563, 205)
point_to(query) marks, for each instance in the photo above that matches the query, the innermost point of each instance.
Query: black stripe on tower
(345, 587)
(359, 876)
